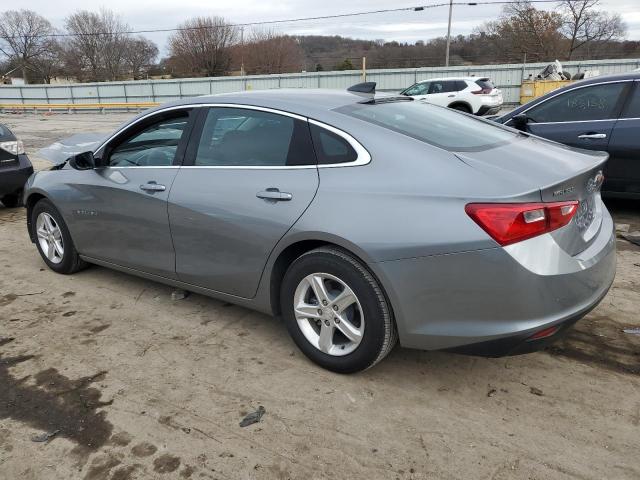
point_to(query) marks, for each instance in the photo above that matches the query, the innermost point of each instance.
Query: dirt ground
(135, 385)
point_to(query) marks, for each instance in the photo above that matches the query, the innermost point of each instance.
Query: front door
(583, 117)
(253, 173)
(123, 216)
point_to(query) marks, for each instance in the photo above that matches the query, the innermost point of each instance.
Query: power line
(417, 8)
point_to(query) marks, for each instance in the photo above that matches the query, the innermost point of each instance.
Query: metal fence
(506, 77)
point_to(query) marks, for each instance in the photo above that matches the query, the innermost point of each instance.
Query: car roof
(311, 103)
(470, 79)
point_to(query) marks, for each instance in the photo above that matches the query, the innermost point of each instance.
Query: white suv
(467, 94)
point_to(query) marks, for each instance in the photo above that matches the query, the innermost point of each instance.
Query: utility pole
(446, 58)
(242, 51)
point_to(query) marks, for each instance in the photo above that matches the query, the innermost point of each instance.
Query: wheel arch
(462, 104)
(30, 203)
(288, 253)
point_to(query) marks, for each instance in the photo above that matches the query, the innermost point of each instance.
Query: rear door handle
(153, 187)
(593, 135)
(275, 195)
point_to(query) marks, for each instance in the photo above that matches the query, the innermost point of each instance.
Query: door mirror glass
(520, 121)
(82, 161)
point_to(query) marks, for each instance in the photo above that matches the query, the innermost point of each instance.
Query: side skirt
(244, 302)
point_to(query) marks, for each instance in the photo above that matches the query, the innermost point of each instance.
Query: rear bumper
(12, 179)
(489, 302)
(489, 110)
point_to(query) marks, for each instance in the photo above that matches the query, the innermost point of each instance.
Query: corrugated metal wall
(506, 77)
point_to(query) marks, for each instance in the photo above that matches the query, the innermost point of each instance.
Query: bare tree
(100, 47)
(524, 29)
(269, 52)
(202, 46)
(139, 56)
(25, 37)
(583, 25)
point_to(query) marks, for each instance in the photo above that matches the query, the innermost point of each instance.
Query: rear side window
(330, 147)
(238, 137)
(597, 102)
(484, 83)
(632, 110)
(437, 126)
(460, 85)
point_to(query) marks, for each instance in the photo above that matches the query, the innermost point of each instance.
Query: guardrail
(70, 107)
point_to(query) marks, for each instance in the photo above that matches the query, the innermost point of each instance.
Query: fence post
(72, 97)
(179, 88)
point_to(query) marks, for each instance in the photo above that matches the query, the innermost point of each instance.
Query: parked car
(15, 168)
(466, 94)
(599, 113)
(358, 220)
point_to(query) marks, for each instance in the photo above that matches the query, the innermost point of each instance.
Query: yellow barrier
(75, 106)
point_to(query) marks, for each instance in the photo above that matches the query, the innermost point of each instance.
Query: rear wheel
(336, 311)
(461, 108)
(11, 201)
(54, 240)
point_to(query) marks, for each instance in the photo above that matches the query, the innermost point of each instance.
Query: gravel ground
(134, 385)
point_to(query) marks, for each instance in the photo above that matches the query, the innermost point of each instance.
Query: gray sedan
(358, 219)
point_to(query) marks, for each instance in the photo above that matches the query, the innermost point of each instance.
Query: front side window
(417, 89)
(597, 102)
(238, 137)
(437, 126)
(154, 146)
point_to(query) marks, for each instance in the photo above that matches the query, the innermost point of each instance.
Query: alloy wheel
(329, 314)
(50, 238)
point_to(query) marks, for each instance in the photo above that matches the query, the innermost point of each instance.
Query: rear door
(249, 174)
(583, 117)
(623, 168)
(442, 92)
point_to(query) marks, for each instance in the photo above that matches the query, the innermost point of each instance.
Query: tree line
(98, 46)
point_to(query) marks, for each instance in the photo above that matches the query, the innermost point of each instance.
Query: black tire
(71, 261)
(11, 201)
(380, 334)
(461, 108)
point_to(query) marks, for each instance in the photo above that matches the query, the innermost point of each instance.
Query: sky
(400, 26)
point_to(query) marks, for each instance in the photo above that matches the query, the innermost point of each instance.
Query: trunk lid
(560, 173)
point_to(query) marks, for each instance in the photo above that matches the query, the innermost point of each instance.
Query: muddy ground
(135, 385)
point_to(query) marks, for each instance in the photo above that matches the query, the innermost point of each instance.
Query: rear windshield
(437, 126)
(484, 83)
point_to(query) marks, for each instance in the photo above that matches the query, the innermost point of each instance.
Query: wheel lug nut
(335, 307)
(319, 311)
(337, 320)
(324, 302)
(326, 322)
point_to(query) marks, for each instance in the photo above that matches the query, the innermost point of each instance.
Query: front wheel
(336, 312)
(54, 240)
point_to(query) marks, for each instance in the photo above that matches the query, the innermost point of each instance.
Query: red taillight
(482, 91)
(509, 223)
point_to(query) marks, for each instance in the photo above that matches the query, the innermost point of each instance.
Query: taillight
(509, 223)
(482, 91)
(14, 147)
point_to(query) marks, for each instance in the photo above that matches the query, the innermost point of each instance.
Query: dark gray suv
(15, 168)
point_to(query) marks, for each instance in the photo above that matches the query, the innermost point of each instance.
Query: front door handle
(451, 96)
(153, 187)
(275, 195)
(594, 136)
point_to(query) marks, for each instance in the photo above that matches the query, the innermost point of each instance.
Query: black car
(600, 113)
(15, 168)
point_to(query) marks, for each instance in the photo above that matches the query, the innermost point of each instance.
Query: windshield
(437, 126)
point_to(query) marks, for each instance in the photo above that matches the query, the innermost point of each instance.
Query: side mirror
(82, 161)
(520, 121)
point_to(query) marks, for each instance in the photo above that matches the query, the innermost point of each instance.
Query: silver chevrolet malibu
(357, 218)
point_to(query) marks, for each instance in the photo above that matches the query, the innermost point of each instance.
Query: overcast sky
(401, 26)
